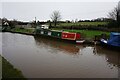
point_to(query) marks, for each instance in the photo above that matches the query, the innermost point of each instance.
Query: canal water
(39, 57)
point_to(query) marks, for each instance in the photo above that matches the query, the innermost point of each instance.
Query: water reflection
(69, 48)
(112, 57)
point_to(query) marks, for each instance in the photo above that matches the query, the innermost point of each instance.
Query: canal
(38, 57)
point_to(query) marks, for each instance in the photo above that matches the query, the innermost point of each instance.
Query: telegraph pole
(35, 22)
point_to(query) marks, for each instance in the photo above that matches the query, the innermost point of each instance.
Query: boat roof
(115, 33)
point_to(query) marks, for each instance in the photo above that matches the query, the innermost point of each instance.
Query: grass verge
(23, 30)
(8, 71)
(88, 34)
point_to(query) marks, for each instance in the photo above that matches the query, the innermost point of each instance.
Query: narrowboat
(113, 41)
(68, 36)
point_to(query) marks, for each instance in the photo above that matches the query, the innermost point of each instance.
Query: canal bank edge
(87, 41)
(9, 71)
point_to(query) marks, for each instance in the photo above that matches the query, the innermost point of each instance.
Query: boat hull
(59, 35)
(104, 43)
(56, 39)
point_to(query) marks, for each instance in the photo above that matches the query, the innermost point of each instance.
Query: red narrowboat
(70, 36)
(75, 37)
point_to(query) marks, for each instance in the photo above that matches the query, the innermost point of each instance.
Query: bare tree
(115, 15)
(55, 16)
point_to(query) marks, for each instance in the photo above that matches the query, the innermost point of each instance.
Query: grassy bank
(80, 24)
(23, 30)
(103, 26)
(8, 71)
(83, 23)
(89, 34)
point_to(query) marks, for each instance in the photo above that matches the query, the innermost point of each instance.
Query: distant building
(67, 21)
(6, 23)
(45, 26)
(24, 25)
(5, 26)
(0, 22)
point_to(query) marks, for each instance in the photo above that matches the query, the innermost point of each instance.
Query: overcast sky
(27, 11)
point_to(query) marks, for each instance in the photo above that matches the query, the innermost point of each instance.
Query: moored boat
(69, 36)
(113, 41)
